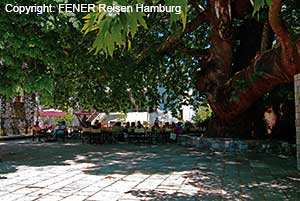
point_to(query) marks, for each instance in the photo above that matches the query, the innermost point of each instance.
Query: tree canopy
(233, 52)
(47, 53)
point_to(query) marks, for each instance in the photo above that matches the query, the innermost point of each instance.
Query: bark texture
(241, 65)
(232, 88)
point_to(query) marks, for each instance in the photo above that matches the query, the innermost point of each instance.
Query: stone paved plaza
(74, 171)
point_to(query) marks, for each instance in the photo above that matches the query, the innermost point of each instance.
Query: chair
(156, 134)
(62, 133)
(167, 133)
(116, 132)
(96, 136)
(86, 135)
(139, 134)
(36, 133)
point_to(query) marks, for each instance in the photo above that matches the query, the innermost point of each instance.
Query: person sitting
(139, 125)
(51, 123)
(127, 125)
(156, 125)
(118, 124)
(132, 125)
(126, 129)
(84, 121)
(118, 132)
(60, 130)
(179, 128)
(96, 125)
(36, 131)
(173, 126)
(166, 125)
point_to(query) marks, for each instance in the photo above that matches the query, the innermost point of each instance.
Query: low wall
(237, 146)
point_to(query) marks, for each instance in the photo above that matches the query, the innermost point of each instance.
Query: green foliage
(261, 4)
(183, 15)
(291, 16)
(50, 54)
(203, 114)
(117, 30)
(67, 118)
(260, 9)
(257, 75)
(241, 84)
(32, 47)
(113, 30)
(238, 85)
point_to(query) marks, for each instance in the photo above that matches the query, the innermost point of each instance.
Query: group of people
(60, 129)
(86, 124)
(177, 128)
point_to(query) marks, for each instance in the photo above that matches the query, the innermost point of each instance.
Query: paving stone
(41, 192)
(91, 188)
(149, 184)
(173, 182)
(25, 191)
(91, 178)
(158, 177)
(30, 181)
(121, 186)
(74, 198)
(138, 177)
(6, 182)
(59, 194)
(129, 172)
(12, 187)
(60, 183)
(11, 197)
(46, 183)
(28, 198)
(50, 198)
(2, 193)
(129, 197)
(188, 190)
(103, 183)
(64, 192)
(105, 196)
(85, 193)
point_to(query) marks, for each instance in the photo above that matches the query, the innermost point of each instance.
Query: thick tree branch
(265, 72)
(281, 33)
(194, 52)
(241, 8)
(266, 39)
(197, 6)
(221, 37)
(173, 40)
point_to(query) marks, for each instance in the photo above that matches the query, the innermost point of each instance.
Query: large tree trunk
(241, 65)
(240, 92)
(232, 94)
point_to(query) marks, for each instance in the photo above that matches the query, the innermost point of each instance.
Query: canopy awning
(52, 113)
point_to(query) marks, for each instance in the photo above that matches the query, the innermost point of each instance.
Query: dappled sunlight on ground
(75, 171)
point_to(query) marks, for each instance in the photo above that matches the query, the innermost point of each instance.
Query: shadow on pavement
(215, 175)
(106, 159)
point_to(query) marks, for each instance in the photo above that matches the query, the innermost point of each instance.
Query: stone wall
(297, 109)
(231, 145)
(12, 121)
